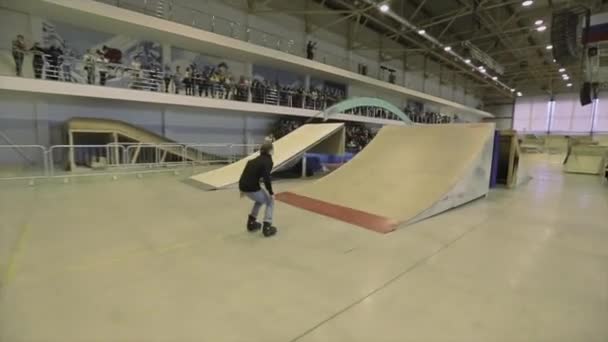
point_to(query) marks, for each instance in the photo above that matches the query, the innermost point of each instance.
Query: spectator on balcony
(136, 74)
(55, 60)
(205, 82)
(155, 77)
(392, 78)
(243, 89)
(310, 49)
(188, 81)
(177, 79)
(101, 63)
(67, 63)
(18, 50)
(89, 66)
(167, 78)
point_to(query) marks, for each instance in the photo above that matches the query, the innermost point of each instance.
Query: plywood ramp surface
(286, 149)
(403, 172)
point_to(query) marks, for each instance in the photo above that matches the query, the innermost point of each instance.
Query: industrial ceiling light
(527, 3)
(569, 85)
(448, 48)
(494, 78)
(549, 47)
(541, 28)
(566, 78)
(520, 94)
(538, 22)
(384, 8)
(421, 32)
(554, 60)
(468, 61)
(562, 70)
(512, 90)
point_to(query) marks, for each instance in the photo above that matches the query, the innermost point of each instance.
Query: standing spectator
(18, 54)
(89, 66)
(66, 68)
(188, 81)
(310, 49)
(177, 79)
(136, 74)
(167, 78)
(392, 77)
(155, 78)
(55, 54)
(198, 80)
(101, 62)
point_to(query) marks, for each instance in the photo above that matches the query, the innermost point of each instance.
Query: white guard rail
(36, 161)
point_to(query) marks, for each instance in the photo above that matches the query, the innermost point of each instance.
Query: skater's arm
(266, 177)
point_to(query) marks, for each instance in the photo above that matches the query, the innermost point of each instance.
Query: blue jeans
(261, 198)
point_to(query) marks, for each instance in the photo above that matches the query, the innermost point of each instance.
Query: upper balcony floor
(109, 18)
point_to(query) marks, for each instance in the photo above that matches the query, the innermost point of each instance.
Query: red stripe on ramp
(359, 218)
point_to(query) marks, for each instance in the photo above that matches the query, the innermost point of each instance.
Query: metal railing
(67, 161)
(99, 72)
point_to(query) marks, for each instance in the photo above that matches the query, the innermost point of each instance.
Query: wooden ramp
(586, 159)
(319, 138)
(406, 174)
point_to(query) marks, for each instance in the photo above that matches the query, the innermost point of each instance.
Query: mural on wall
(284, 79)
(216, 69)
(75, 54)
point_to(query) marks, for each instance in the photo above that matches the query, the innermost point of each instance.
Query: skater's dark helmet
(266, 149)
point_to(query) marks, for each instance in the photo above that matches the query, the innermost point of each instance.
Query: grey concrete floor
(153, 259)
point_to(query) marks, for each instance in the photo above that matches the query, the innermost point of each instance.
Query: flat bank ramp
(320, 138)
(131, 132)
(406, 174)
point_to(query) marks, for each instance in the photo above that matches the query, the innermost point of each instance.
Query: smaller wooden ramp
(586, 159)
(319, 138)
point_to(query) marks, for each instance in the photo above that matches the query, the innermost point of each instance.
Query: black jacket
(256, 169)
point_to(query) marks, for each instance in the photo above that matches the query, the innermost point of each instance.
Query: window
(531, 114)
(565, 115)
(561, 118)
(601, 114)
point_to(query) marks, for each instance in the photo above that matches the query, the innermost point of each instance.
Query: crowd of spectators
(210, 81)
(99, 66)
(267, 92)
(357, 135)
(429, 117)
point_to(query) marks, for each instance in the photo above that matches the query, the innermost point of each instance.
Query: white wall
(503, 115)
(39, 119)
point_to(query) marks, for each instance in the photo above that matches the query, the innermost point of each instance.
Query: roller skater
(249, 185)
